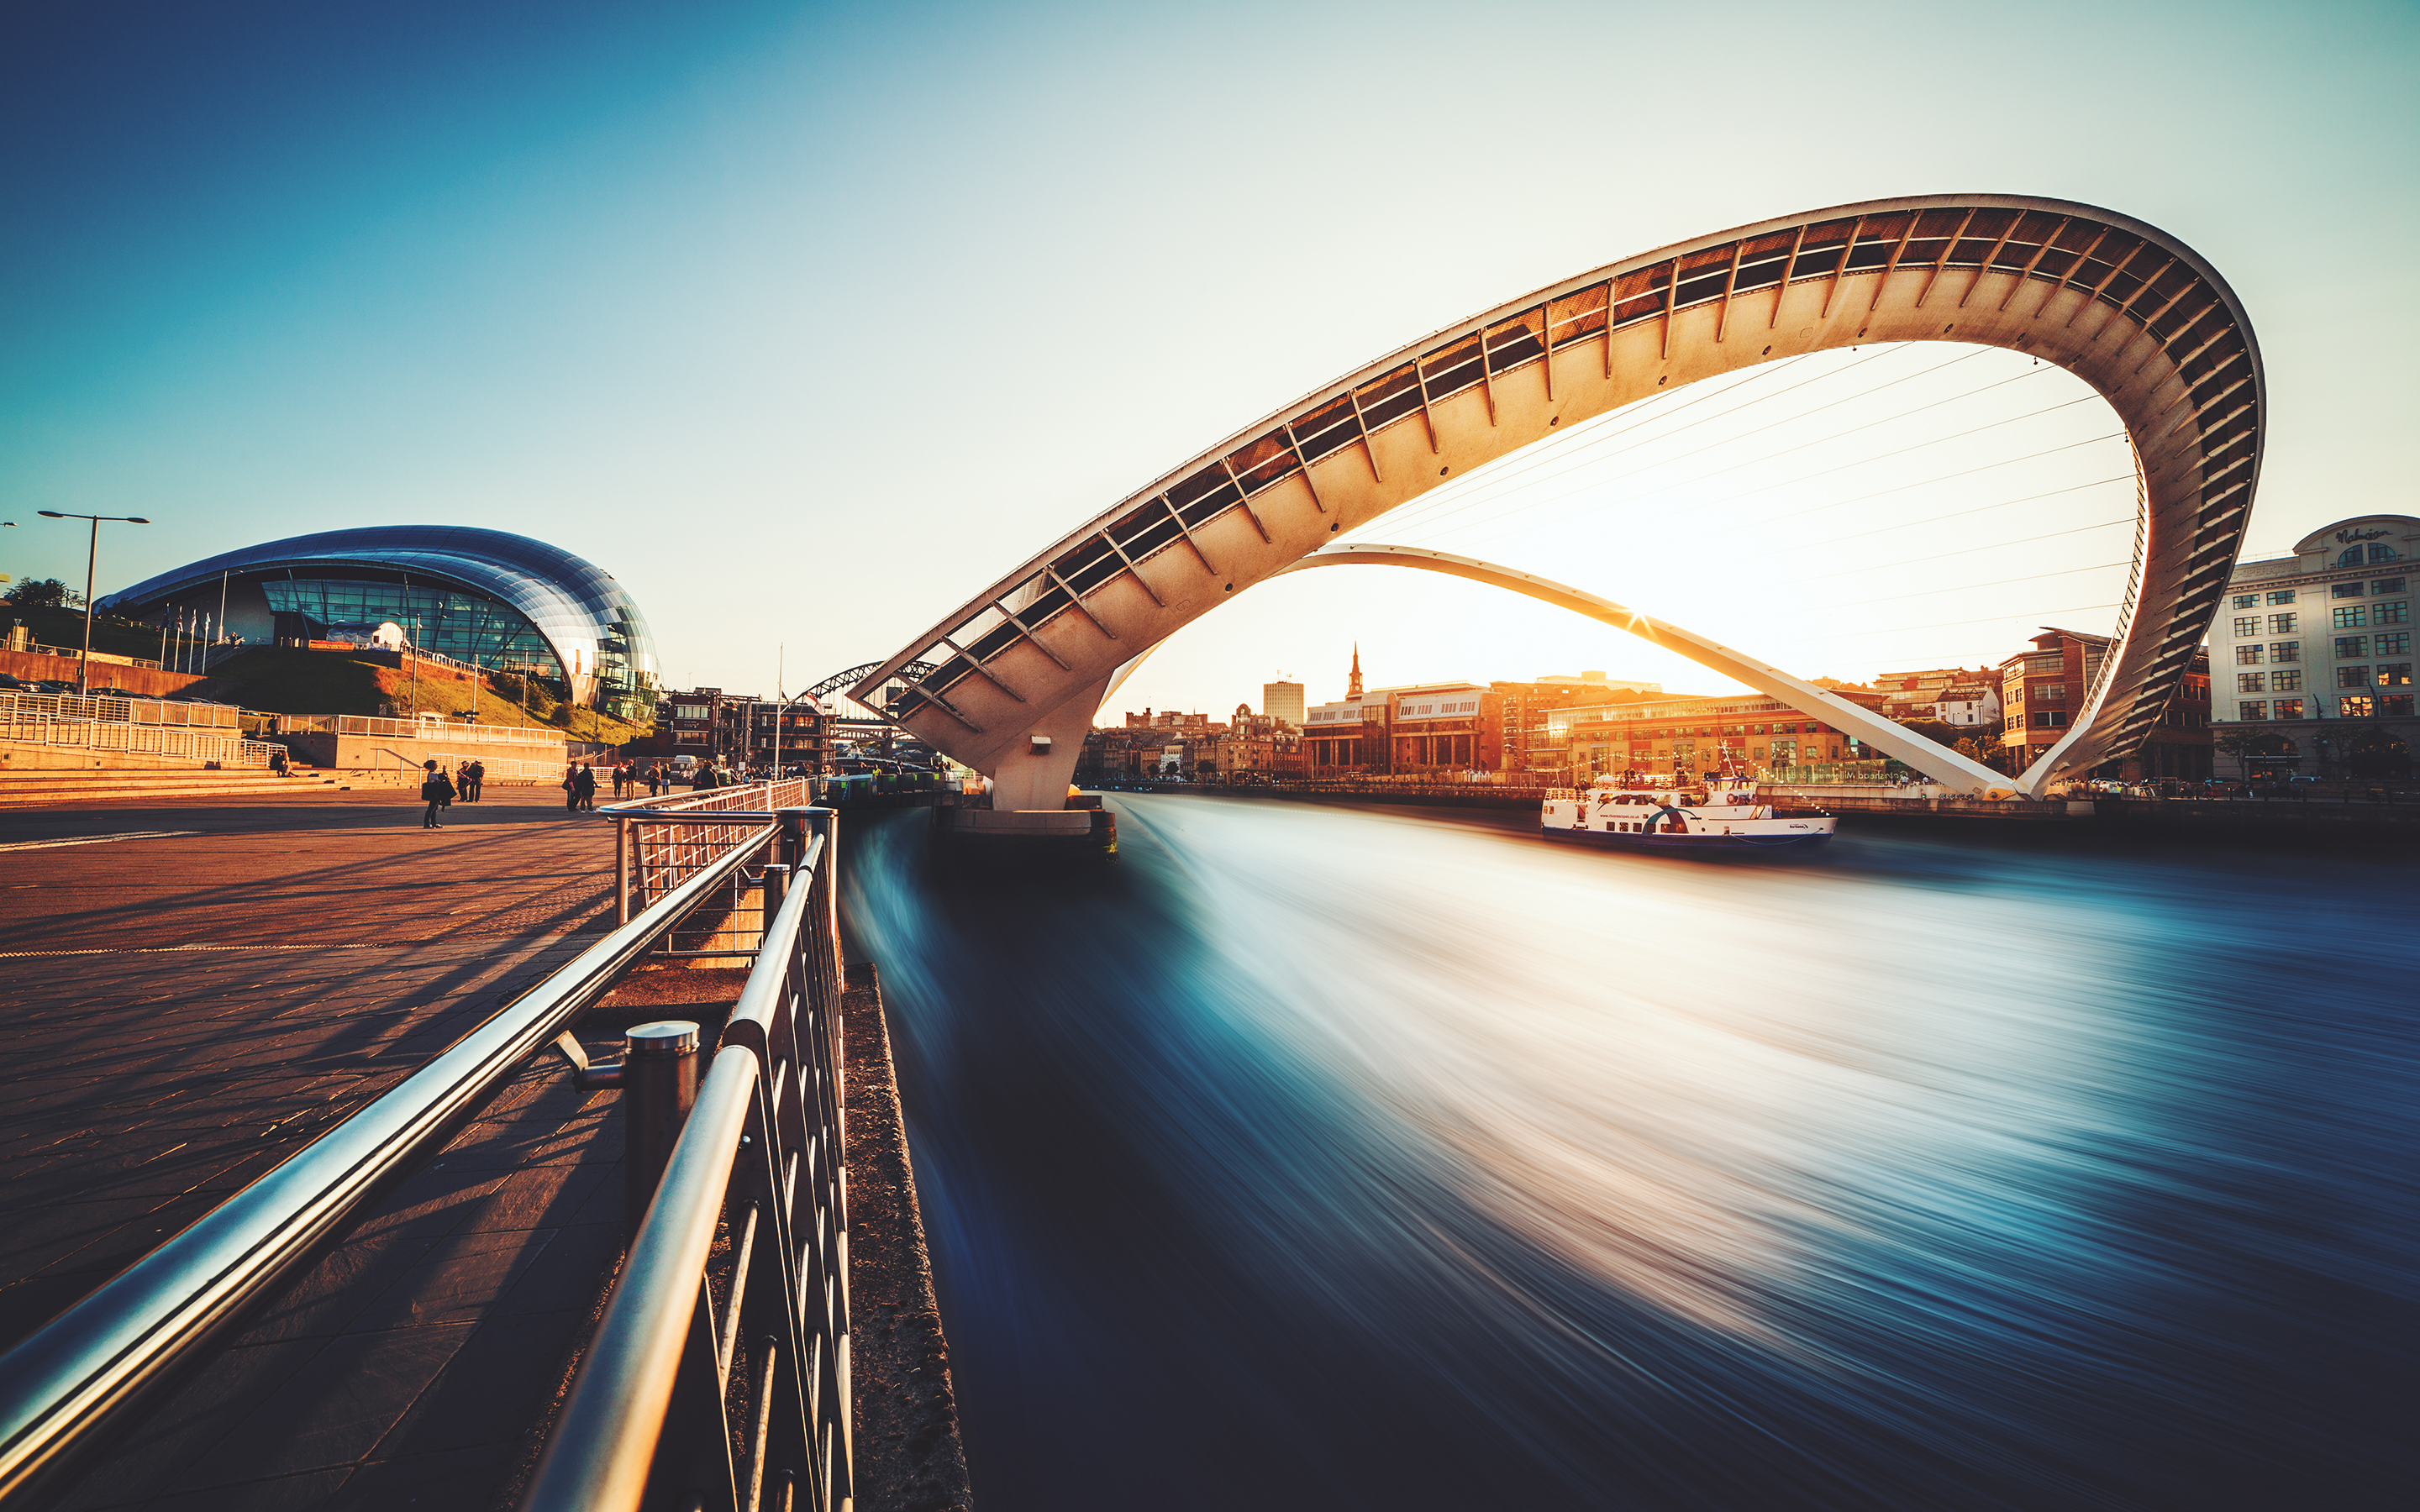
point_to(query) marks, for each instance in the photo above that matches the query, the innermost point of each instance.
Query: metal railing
(659, 842)
(111, 708)
(64, 1389)
(449, 729)
(100, 658)
(227, 748)
(719, 1374)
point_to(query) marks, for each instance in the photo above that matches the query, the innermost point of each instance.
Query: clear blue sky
(808, 322)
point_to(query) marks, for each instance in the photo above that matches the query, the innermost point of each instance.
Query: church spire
(1352, 687)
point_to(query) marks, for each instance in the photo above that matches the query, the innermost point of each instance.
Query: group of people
(440, 789)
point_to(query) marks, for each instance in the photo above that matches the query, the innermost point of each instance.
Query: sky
(806, 322)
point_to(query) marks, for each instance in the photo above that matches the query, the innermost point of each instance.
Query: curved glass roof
(588, 619)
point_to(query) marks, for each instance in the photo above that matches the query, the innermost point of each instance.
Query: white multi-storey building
(1285, 701)
(2311, 657)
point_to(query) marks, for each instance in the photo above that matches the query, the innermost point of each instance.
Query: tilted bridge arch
(1934, 761)
(1019, 669)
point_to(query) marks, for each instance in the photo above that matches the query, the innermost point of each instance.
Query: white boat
(1722, 814)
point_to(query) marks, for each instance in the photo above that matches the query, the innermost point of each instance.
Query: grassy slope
(64, 627)
(283, 680)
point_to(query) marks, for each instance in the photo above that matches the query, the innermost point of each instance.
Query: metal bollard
(777, 887)
(659, 1088)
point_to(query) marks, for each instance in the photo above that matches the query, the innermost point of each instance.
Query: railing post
(776, 883)
(621, 869)
(659, 1088)
(825, 823)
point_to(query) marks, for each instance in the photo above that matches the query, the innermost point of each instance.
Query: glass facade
(449, 621)
(478, 595)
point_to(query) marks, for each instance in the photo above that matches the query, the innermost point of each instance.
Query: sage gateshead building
(495, 600)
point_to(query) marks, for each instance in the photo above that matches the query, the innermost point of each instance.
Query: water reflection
(1315, 1157)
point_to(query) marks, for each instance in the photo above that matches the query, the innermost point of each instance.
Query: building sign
(2346, 537)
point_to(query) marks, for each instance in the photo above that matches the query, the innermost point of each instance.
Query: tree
(44, 593)
(2243, 745)
(1981, 749)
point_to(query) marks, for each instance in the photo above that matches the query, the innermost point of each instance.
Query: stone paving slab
(418, 1362)
(185, 1013)
(414, 1363)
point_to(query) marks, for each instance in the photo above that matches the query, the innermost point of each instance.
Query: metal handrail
(601, 1455)
(646, 864)
(757, 1164)
(63, 1384)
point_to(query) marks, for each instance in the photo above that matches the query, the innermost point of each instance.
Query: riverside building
(1534, 741)
(1686, 736)
(708, 724)
(2043, 689)
(2315, 654)
(481, 597)
(1282, 701)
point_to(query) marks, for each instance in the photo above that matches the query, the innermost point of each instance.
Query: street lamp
(92, 550)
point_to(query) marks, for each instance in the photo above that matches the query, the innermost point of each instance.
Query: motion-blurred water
(1310, 1157)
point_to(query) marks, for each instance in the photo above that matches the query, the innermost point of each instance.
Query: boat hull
(1631, 841)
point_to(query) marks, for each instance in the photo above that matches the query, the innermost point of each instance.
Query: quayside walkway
(189, 1008)
(197, 995)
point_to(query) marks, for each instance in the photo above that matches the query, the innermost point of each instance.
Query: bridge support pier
(1031, 770)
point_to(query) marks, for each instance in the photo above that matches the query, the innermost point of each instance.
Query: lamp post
(92, 551)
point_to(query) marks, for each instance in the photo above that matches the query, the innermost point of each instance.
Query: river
(1330, 1157)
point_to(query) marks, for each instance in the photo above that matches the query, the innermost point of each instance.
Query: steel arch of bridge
(908, 674)
(2132, 311)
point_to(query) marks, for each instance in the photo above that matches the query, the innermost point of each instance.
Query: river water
(1340, 1158)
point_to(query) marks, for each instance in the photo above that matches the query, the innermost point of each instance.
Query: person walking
(478, 780)
(437, 790)
(583, 791)
(571, 788)
(621, 779)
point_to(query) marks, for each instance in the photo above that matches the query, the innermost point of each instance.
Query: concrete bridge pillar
(1033, 769)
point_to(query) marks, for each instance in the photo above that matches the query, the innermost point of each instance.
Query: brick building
(740, 730)
(1687, 736)
(1537, 741)
(2043, 689)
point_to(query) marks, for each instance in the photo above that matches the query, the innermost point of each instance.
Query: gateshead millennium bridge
(1017, 673)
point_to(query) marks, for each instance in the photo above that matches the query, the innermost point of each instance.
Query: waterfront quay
(195, 1005)
(209, 1000)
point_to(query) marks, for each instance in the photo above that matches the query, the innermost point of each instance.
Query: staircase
(84, 789)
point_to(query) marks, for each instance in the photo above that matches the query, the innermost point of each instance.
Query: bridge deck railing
(66, 1390)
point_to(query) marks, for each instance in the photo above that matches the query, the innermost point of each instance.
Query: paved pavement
(415, 1364)
(190, 1006)
(186, 1010)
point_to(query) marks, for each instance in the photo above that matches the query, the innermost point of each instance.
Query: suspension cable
(2002, 582)
(1486, 484)
(1967, 552)
(1748, 493)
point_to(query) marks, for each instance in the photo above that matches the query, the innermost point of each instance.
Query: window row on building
(2359, 672)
